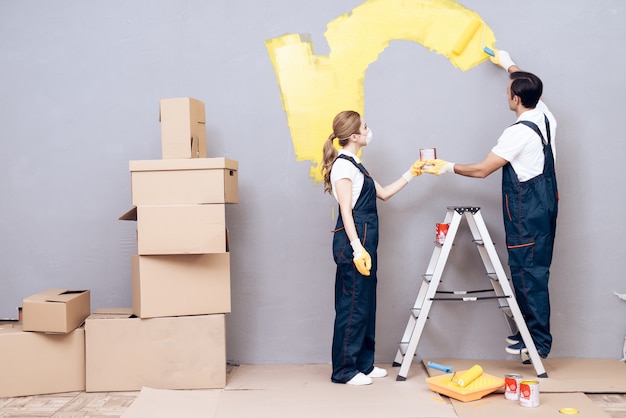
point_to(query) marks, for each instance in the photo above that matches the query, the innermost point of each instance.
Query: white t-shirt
(344, 169)
(521, 146)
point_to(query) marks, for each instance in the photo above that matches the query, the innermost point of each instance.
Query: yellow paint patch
(315, 88)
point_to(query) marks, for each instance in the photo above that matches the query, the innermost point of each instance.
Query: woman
(354, 247)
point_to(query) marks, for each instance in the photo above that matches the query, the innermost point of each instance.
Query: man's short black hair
(528, 87)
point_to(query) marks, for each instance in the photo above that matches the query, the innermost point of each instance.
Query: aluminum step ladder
(431, 279)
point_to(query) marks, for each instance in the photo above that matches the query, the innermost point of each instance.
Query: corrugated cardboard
(56, 310)
(175, 285)
(125, 353)
(180, 229)
(183, 128)
(35, 363)
(186, 181)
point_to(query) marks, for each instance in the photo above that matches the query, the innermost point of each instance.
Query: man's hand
(438, 167)
(503, 59)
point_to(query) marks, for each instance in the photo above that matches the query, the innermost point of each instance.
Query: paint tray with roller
(465, 386)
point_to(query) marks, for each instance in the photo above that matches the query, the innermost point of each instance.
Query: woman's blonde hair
(345, 124)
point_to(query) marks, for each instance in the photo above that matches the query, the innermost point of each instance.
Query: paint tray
(483, 385)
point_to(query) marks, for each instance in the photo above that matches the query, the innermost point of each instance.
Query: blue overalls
(530, 210)
(355, 294)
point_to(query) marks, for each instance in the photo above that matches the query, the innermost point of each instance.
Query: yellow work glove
(439, 167)
(414, 171)
(416, 168)
(361, 258)
(503, 59)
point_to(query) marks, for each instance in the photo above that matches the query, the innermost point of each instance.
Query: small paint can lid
(568, 411)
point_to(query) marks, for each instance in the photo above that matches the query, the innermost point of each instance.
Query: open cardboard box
(180, 229)
(56, 310)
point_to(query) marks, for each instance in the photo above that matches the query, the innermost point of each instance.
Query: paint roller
(464, 378)
(468, 376)
(467, 35)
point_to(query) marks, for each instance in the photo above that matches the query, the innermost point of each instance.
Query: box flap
(131, 215)
(65, 296)
(184, 164)
(112, 313)
(44, 296)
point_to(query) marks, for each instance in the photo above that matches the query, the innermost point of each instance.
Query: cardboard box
(183, 128)
(179, 229)
(184, 182)
(35, 363)
(175, 285)
(56, 310)
(125, 353)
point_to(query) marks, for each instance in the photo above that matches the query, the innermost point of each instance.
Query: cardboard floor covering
(564, 375)
(550, 405)
(296, 391)
(306, 391)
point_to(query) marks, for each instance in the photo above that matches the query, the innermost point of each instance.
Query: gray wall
(80, 83)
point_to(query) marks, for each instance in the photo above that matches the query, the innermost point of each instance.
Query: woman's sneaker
(377, 372)
(359, 380)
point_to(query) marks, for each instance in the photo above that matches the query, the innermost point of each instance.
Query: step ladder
(431, 279)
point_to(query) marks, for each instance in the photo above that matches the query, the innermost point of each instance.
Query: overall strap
(357, 165)
(535, 128)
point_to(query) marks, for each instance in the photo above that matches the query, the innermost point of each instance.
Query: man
(525, 151)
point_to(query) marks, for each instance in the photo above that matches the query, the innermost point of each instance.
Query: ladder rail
(433, 272)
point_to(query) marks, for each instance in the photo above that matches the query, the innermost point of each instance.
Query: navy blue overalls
(355, 294)
(530, 210)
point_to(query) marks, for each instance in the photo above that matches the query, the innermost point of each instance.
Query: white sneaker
(359, 380)
(377, 372)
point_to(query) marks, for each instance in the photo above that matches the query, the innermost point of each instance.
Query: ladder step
(469, 298)
(403, 347)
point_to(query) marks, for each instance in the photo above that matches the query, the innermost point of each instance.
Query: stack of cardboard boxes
(174, 335)
(45, 353)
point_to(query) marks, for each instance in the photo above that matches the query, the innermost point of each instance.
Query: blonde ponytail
(345, 124)
(328, 158)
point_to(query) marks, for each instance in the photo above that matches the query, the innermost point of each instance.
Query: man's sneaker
(518, 348)
(514, 339)
(377, 372)
(359, 380)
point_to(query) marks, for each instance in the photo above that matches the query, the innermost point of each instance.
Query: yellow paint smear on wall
(315, 88)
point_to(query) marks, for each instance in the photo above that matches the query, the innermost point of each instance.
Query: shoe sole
(516, 351)
(511, 341)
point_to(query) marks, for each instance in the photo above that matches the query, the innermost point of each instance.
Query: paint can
(511, 386)
(529, 393)
(428, 153)
(442, 231)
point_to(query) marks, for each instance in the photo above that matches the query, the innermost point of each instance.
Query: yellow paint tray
(483, 385)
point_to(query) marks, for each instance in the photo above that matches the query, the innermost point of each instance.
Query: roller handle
(445, 369)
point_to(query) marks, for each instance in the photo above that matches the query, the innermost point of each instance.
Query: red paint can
(512, 386)
(442, 231)
(529, 393)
